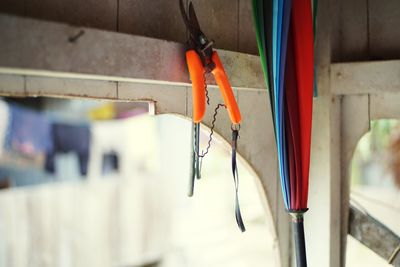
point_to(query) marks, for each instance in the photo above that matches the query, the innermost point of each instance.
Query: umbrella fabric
(263, 29)
(268, 11)
(292, 123)
(291, 90)
(303, 40)
(280, 27)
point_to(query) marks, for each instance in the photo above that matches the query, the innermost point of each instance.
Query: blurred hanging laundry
(28, 132)
(4, 114)
(69, 138)
(132, 141)
(110, 163)
(103, 112)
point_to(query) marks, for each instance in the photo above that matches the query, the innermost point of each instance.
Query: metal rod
(299, 239)
(192, 163)
(197, 149)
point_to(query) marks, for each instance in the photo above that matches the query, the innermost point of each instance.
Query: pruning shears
(202, 59)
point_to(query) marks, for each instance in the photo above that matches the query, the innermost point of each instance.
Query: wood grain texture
(385, 106)
(350, 42)
(47, 46)
(354, 124)
(222, 20)
(71, 87)
(361, 29)
(374, 235)
(219, 21)
(365, 77)
(322, 223)
(12, 85)
(15, 7)
(247, 35)
(172, 100)
(101, 14)
(158, 19)
(384, 21)
(256, 137)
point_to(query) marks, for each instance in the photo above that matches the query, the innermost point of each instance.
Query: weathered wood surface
(257, 125)
(350, 32)
(45, 47)
(366, 30)
(246, 34)
(373, 77)
(365, 36)
(157, 19)
(355, 38)
(225, 21)
(375, 236)
(384, 35)
(12, 84)
(101, 14)
(354, 123)
(385, 106)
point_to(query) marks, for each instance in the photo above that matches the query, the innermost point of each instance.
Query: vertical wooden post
(322, 222)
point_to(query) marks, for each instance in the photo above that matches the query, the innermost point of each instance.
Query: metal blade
(184, 15)
(193, 18)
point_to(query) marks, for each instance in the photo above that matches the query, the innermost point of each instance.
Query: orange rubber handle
(196, 72)
(226, 89)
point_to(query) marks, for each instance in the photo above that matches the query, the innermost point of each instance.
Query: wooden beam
(385, 106)
(34, 47)
(372, 77)
(374, 235)
(12, 85)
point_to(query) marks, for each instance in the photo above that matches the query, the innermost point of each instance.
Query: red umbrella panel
(299, 82)
(303, 49)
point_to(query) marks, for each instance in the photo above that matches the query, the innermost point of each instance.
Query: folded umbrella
(289, 59)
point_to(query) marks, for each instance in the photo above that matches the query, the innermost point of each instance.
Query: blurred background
(375, 180)
(97, 183)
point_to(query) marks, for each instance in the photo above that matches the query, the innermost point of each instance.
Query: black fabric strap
(238, 215)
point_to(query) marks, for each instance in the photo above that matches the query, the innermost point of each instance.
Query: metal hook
(235, 127)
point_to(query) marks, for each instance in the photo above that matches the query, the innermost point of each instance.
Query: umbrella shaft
(299, 241)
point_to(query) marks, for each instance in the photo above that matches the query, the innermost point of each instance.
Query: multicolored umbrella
(284, 31)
